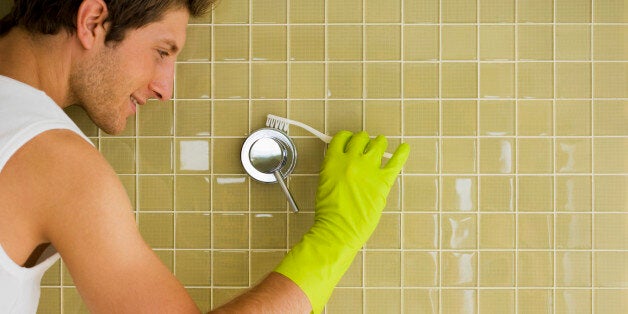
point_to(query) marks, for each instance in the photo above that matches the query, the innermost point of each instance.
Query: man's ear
(90, 21)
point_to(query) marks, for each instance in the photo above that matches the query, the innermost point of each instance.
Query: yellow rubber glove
(351, 195)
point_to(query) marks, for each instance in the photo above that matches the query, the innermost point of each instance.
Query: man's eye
(163, 53)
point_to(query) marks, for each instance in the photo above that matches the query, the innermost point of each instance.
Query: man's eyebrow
(172, 46)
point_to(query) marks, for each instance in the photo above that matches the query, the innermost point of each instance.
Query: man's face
(115, 79)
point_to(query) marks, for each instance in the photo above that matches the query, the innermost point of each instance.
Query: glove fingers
(399, 158)
(339, 142)
(377, 147)
(358, 143)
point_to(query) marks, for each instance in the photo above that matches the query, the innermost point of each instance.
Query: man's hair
(51, 16)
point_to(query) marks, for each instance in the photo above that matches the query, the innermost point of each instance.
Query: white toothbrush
(280, 123)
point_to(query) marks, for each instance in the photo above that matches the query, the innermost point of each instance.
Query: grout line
(440, 157)
(477, 160)
(402, 173)
(554, 159)
(516, 178)
(362, 102)
(593, 133)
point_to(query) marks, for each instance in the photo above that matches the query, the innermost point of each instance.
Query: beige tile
(459, 269)
(383, 11)
(193, 81)
(268, 231)
(231, 268)
(382, 269)
(344, 42)
(224, 150)
(344, 11)
(298, 225)
(497, 269)
(608, 11)
(305, 11)
(193, 117)
(383, 117)
(610, 269)
(609, 301)
(422, 300)
(345, 300)
(539, 11)
(573, 231)
(459, 11)
(310, 112)
(263, 262)
(420, 193)
(269, 80)
(193, 193)
(202, 298)
(231, 117)
(497, 42)
(50, 301)
(497, 301)
(193, 267)
(573, 193)
(271, 11)
(573, 117)
(420, 231)
(459, 117)
(231, 231)
(230, 193)
(458, 42)
(459, 193)
(120, 153)
(534, 301)
(157, 229)
(459, 80)
(535, 231)
(307, 80)
(497, 117)
(344, 115)
(535, 269)
(573, 42)
(609, 117)
(573, 11)
(155, 155)
(72, 301)
(87, 126)
(421, 11)
(535, 155)
(497, 155)
(535, 42)
(166, 257)
(383, 42)
(573, 155)
(344, 80)
(535, 193)
(534, 117)
(156, 119)
(610, 80)
(314, 148)
(420, 42)
(421, 117)
(497, 80)
(268, 197)
(236, 11)
(459, 301)
(459, 231)
(573, 269)
(497, 11)
(193, 231)
(382, 301)
(609, 155)
(383, 80)
(354, 276)
(610, 231)
(420, 80)
(424, 156)
(155, 193)
(198, 44)
(303, 188)
(497, 193)
(231, 80)
(535, 80)
(610, 193)
(420, 269)
(573, 80)
(261, 108)
(573, 301)
(221, 296)
(387, 233)
(459, 155)
(268, 43)
(52, 277)
(610, 42)
(231, 43)
(307, 42)
(497, 231)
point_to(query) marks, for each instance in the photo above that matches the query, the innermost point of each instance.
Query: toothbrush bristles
(277, 123)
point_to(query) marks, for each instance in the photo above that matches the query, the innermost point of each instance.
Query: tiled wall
(513, 199)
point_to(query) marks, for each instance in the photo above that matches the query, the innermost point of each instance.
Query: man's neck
(41, 61)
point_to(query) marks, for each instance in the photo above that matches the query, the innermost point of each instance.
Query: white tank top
(25, 112)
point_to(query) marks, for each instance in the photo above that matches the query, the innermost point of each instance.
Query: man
(58, 194)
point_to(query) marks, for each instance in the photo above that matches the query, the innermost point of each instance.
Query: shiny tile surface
(513, 199)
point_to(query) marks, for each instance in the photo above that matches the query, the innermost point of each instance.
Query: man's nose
(162, 85)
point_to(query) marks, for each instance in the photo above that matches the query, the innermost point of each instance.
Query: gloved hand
(351, 195)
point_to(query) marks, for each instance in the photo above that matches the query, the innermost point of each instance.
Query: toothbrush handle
(285, 190)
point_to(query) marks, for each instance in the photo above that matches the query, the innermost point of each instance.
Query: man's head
(121, 53)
